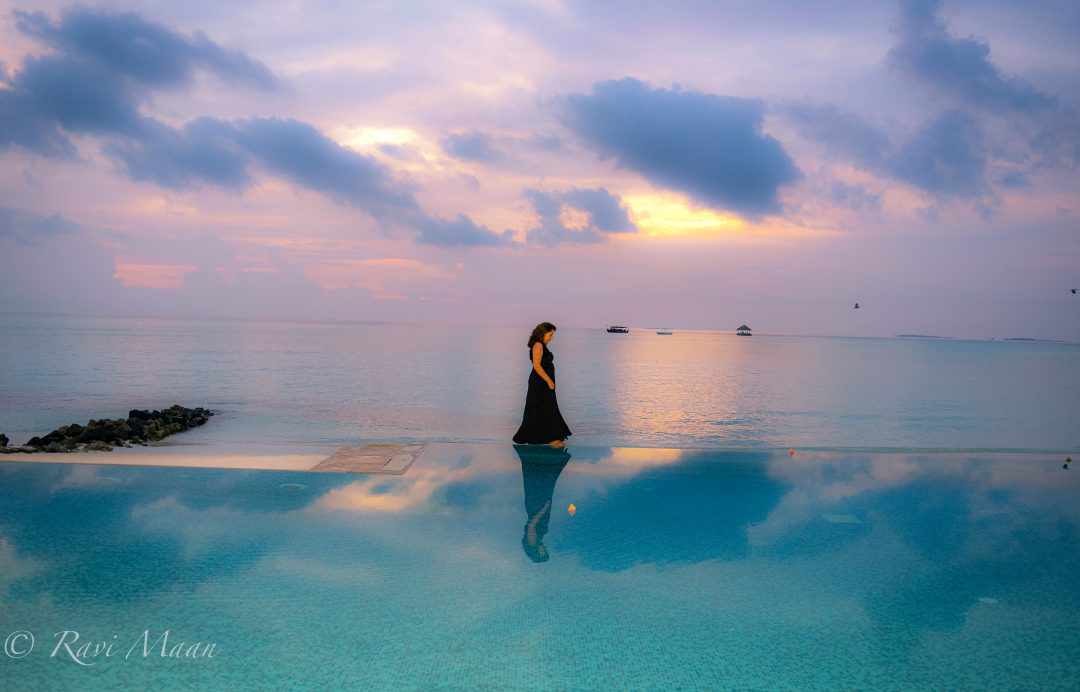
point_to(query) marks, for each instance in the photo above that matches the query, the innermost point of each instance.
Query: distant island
(922, 336)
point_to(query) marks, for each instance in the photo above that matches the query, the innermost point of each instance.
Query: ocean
(296, 383)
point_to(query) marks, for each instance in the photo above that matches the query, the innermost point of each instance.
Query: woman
(542, 423)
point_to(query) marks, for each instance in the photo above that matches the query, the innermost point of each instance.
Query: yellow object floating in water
(791, 452)
(572, 509)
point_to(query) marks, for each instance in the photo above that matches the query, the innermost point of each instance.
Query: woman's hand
(551, 384)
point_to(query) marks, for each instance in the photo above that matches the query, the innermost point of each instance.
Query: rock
(73, 430)
(54, 436)
(99, 446)
(3, 440)
(154, 430)
(56, 448)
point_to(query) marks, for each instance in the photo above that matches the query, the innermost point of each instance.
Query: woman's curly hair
(539, 331)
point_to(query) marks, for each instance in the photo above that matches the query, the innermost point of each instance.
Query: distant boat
(744, 331)
(664, 333)
(615, 329)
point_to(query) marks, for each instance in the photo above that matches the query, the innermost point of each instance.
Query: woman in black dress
(542, 423)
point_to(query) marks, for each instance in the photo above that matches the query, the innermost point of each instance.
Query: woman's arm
(537, 353)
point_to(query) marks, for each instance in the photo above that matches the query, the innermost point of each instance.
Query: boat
(616, 329)
(744, 331)
(663, 333)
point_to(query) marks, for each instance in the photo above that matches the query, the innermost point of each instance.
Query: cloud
(552, 231)
(707, 146)
(461, 232)
(961, 69)
(146, 53)
(80, 97)
(217, 152)
(957, 67)
(605, 210)
(208, 151)
(108, 65)
(543, 142)
(205, 151)
(1014, 180)
(843, 134)
(997, 131)
(300, 153)
(603, 213)
(854, 196)
(470, 146)
(946, 157)
(28, 228)
(105, 67)
(23, 126)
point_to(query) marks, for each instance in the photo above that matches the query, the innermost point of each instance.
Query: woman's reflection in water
(540, 468)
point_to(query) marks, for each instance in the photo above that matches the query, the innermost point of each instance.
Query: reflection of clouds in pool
(630, 461)
(121, 533)
(679, 508)
(86, 476)
(392, 494)
(937, 534)
(14, 567)
(822, 479)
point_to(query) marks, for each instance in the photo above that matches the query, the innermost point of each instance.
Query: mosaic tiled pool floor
(677, 569)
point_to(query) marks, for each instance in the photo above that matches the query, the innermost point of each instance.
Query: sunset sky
(688, 164)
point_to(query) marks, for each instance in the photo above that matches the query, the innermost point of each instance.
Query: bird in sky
(856, 306)
(1073, 290)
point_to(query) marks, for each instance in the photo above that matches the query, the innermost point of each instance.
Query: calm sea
(295, 383)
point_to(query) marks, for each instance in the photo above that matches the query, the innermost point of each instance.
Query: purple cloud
(147, 53)
(604, 211)
(708, 146)
(957, 67)
(104, 68)
(28, 228)
(470, 146)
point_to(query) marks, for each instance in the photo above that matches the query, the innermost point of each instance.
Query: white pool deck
(393, 458)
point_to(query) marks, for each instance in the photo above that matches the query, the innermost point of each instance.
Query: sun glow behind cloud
(660, 216)
(365, 138)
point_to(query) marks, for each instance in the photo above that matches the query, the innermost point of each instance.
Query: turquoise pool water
(679, 569)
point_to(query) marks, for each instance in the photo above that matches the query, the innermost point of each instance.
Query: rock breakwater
(140, 427)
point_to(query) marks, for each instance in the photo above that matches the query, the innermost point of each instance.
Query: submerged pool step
(392, 458)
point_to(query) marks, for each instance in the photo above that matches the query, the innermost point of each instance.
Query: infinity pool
(676, 569)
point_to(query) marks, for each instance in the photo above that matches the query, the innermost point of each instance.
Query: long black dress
(541, 423)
